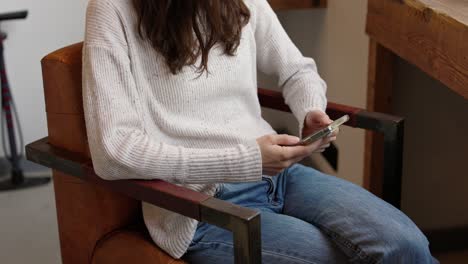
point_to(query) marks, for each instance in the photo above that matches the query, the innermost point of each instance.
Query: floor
(28, 224)
(28, 229)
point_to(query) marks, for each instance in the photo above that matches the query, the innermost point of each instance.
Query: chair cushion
(86, 213)
(130, 246)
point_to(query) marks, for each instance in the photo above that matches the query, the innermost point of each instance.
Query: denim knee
(406, 246)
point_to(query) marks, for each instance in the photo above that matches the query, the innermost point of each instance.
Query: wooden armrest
(392, 127)
(274, 100)
(243, 222)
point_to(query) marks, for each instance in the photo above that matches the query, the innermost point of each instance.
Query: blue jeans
(310, 217)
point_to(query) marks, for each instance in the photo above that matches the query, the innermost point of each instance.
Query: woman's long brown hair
(184, 30)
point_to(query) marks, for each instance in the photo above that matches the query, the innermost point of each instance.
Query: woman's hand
(277, 155)
(314, 121)
(277, 152)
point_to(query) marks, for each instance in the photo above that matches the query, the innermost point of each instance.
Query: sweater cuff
(242, 163)
(256, 168)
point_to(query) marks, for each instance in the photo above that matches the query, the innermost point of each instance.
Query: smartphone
(324, 132)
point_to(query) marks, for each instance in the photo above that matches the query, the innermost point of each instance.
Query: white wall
(335, 38)
(51, 24)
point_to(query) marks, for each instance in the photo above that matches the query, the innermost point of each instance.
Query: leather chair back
(86, 213)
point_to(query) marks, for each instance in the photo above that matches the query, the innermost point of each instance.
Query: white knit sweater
(145, 123)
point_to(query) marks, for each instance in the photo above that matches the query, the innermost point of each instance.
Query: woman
(169, 90)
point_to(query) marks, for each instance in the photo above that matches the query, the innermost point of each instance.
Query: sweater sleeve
(302, 87)
(119, 145)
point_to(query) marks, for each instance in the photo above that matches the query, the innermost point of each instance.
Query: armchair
(100, 221)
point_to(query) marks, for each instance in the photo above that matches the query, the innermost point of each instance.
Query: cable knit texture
(195, 131)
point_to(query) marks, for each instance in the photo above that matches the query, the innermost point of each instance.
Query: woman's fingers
(283, 139)
(324, 146)
(291, 153)
(328, 139)
(286, 153)
(335, 133)
(280, 151)
(317, 117)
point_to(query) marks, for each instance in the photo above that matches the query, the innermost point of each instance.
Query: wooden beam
(431, 34)
(379, 99)
(297, 4)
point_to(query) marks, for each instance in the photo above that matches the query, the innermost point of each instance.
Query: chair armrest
(392, 128)
(243, 222)
(274, 100)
